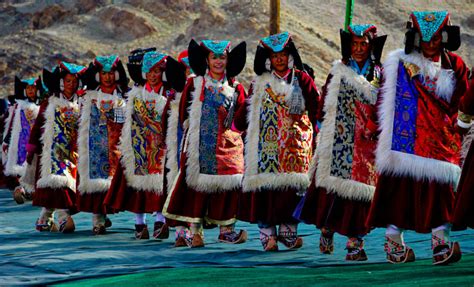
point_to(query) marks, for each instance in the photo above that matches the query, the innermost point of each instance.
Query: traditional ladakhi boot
(444, 251)
(288, 235)
(355, 249)
(326, 241)
(141, 231)
(269, 239)
(227, 234)
(397, 251)
(161, 230)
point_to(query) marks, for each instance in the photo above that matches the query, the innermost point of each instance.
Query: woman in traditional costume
(343, 183)
(20, 121)
(137, 185)
(100, 126)
(53, 141)
(418, 152)
(209, 182)
(279, 124)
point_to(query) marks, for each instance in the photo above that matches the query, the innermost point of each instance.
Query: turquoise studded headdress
(106, 63)
(429, 23)
(363, 29)
(216, 47)
(423, 25)
(71, 68)
(151, 59)
(276, 42)
(111, 63)
(30, 81)
(198, 53)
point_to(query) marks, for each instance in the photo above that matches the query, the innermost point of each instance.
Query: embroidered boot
(161, 230)
(355, 249)
(444, 251)
(227, 234)
(98, 222)
(288, 235)
(268, 239)
(46, 221)
(183, 237)
(197, 235)
(397, 251)
(141, 231)
(326, 241)
(19, 195)
(66, 223)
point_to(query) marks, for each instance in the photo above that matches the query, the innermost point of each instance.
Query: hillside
(35, 34)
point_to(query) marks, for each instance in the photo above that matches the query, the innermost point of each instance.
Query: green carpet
(420, 273)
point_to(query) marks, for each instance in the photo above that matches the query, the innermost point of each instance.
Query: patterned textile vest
(23, 119)
(101, 122)
(141, 144)
(279, 145)
(418, 138)
(214, 153)
(345, 157)
(59, 154)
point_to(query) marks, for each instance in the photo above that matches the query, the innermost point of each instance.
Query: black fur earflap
(175, 74)
(298, 64)
(454, 37)
(135, 72)
(236, 60)
(19, 89)
(51, 80)
(377, 47)
(197, 58)
(89, 77)
(261, 56)
(411, 36)
(346, 39)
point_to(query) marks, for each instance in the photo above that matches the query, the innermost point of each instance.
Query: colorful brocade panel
(421, 125)
(27, 119)
(220, 149)
(104, 135)
(64, 141)
(285, 141)
(353, 154)
(147, 136)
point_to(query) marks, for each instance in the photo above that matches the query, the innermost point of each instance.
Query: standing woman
(24, 113)
(418, 151)
(102, 118)
(209, 183)
(137, 185)
(279, 144)
(54, 141)
(342, 187)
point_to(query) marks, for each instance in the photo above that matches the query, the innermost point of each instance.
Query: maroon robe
(188, 204)
(419, 205)
(273, 206)
(327, 209)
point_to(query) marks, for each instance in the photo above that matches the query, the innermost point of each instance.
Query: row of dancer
(213, 154)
